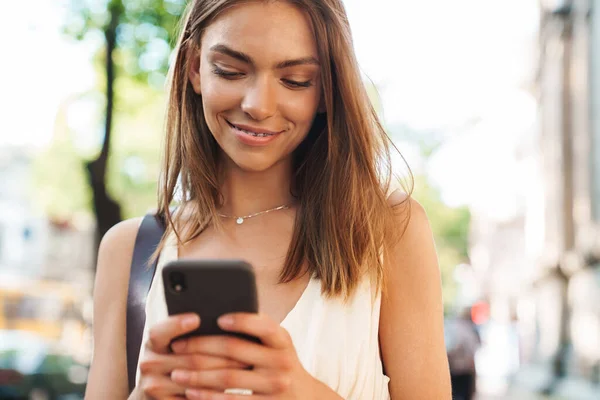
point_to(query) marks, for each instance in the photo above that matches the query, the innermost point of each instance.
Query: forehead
(268, 30)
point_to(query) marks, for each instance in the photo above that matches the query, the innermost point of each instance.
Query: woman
(277, 154)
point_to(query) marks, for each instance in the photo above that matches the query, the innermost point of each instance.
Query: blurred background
(495, 105)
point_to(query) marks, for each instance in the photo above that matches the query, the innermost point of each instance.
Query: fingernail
(178, 347)
(190, 322)
(226, 321)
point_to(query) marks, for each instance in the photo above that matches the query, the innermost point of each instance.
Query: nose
(259, 102)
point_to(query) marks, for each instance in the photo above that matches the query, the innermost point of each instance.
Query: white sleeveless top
(336, 342)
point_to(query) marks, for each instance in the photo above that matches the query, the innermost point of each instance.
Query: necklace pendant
(239, 221)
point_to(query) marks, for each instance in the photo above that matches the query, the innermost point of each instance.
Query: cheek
(217, 96)
(301, 109)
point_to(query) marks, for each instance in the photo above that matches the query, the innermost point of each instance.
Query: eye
(226, 74)
(297, 84)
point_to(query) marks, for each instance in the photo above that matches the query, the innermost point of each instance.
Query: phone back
(210, 288)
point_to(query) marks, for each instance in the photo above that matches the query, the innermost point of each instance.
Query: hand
(276, 373)
(158, 361)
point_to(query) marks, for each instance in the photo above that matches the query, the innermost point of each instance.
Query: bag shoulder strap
(142, 272)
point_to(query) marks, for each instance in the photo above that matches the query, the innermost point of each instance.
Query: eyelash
(226, 74)
(233, 75)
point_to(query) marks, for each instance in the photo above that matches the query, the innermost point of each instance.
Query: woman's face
(258, 75)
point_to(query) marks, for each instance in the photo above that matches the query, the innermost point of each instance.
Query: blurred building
(543, 265)
(568, 274)
(22, 232)
(31, 244)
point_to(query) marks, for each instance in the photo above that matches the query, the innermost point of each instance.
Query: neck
(247, 192)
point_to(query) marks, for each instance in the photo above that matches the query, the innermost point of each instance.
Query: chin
(249, 163)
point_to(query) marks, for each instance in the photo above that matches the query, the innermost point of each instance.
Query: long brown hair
(342, 169)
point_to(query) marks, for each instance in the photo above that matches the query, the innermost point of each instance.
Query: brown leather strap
(142, 272)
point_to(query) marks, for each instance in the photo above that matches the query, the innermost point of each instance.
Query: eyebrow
(238, 55)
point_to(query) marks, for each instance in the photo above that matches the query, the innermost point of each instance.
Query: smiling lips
(253, 136)
(253, 131)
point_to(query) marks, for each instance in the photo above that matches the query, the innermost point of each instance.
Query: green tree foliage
(58, 175)
(145, 30)
(135, 40)
(136, 153)
(60, 180)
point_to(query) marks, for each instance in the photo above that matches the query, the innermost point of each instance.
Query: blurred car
(40, 306)
(31, 367)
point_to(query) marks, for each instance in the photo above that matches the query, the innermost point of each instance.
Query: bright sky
(438, 63)
(44, 69)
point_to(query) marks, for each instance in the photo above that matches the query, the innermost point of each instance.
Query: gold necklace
(240, 220)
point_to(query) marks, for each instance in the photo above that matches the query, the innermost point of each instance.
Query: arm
(411, 330)
(108, 374)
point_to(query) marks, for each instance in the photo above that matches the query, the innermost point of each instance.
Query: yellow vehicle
(44, 307)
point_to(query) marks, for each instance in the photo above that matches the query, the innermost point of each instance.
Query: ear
(194, 72)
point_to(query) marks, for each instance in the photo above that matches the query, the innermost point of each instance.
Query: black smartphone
(210, 288)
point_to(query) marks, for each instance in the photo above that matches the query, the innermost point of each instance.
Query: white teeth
(256, 134)
(253, 133)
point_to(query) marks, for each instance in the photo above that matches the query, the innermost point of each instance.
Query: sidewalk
(578, 389)
(520, 394)
(530, 379)
(514, 393)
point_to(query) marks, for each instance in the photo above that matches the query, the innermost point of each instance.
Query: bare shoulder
(114, 260)
(110, 298)
(118, 242)
(398, 197)
(413, 256)
(411, 321)
(411, 218)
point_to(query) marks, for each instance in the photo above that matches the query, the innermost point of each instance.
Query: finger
(230, 347)
(258, 325)
(163, 364)
(260, 383)
(161, 334)
(159, 387)
(206, 394)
